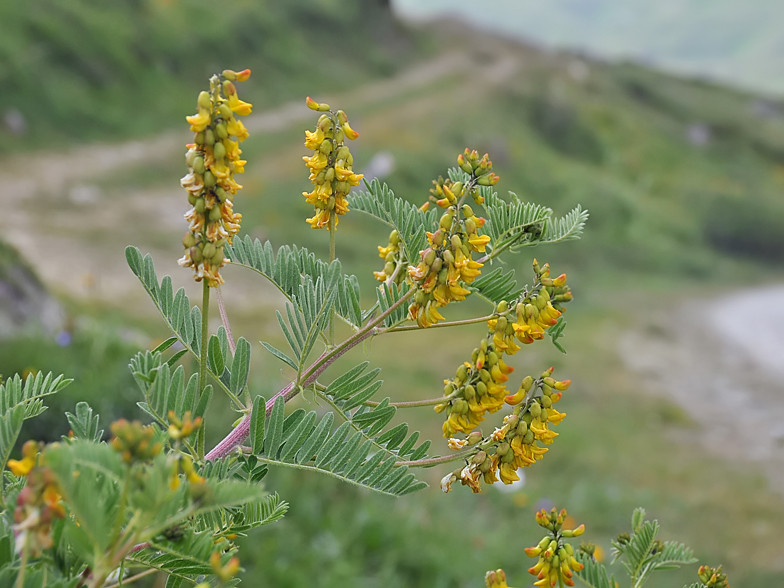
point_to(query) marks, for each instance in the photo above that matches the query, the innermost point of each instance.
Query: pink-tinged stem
(241, 431)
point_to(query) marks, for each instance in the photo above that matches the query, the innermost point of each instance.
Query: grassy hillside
(77, 70)
(738, 42)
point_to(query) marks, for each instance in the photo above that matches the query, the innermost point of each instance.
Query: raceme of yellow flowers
(331, 165)
(448, 260)
(556, 564)
(213, 158)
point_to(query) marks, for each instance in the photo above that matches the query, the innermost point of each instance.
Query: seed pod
(446, 222)
(470, 226)
(508, 458)
(535, 409)
(225, 112)
(199, 138)
(215, 213)
(479, 457)
(209, 179)
(326, 147)
(221, 131)
(502, 449)
(492, 358)
(468, 212)
(481, 388)
(456, 242)
(204, 100)
(522, 428)
(192, 198)
(196, 255)
(208, 251)
(200, 206)
(218, 258)
(389, 268)
(484, 375)
(469, 392)
(219, 151)
(188, 240)
(220, 193)
(209, 137)
(198, 165)
(546, 401)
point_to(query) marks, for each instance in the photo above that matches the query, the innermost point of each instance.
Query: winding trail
(723, 362)
(74, 233)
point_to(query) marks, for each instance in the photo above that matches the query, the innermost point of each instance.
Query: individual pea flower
(477, 388)
(134, 441)
(213, 158)
(447, 264)
(496, 579)
(503, 329)
(183, 463)
(37, 505)
(556, 562)
(394, 259)
(539, 309)
(224, 572)
(331, 165)
(27, 463)
(713, 577)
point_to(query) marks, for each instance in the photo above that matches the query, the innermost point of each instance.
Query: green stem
(131, 579)
(479, 319)
(415, 403)
(331, 259)
(205, 332)
(426, 463)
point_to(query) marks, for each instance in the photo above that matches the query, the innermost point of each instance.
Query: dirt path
(723, 362)
(74, 234)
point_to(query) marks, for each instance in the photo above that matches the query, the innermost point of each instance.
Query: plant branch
(433, 461)
(130, 579)
(242, 430)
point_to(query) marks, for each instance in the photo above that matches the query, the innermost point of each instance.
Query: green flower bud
(209, 137)
(219, 151)
(198, 165)
(204, 100)
(209, 179)
(222, 131)
(225, 112)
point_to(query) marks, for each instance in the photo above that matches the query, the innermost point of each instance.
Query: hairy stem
(225, 320)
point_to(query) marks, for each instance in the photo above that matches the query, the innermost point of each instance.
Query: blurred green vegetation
(87, 69)
(683, 181)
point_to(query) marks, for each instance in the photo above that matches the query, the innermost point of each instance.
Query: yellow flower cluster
(556, 557)
(446, 263)
(331, 165)
(213, 159)
(514, 444)
(496, 579)
(393, 257)
(134, 441)
(536, 312)
(38, 503)
(477, 388)
(713, 577)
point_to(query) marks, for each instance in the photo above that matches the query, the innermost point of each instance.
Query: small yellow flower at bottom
(496, 579)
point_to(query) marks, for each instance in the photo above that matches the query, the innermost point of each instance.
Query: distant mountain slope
(75, 70)
(741, 42)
